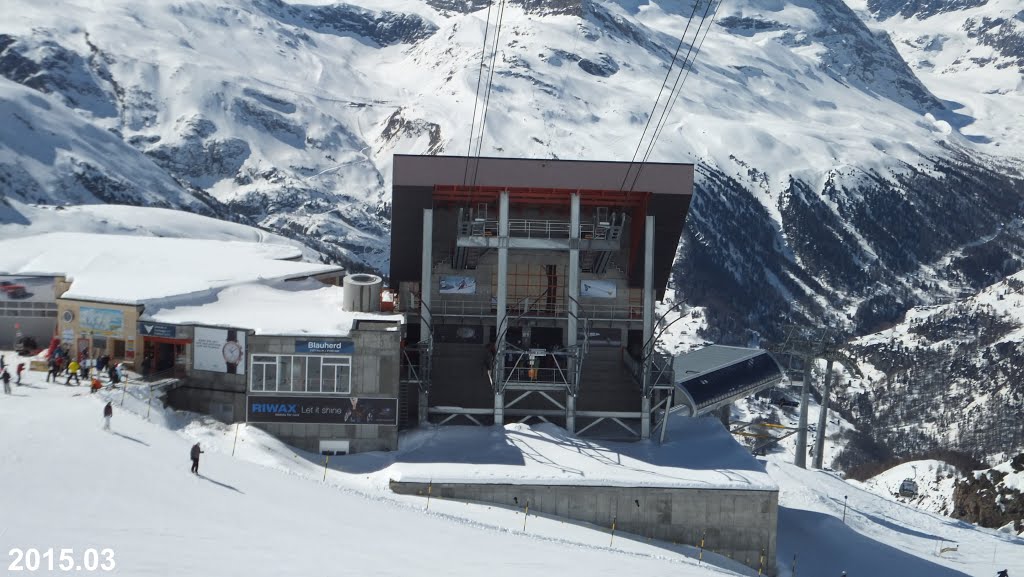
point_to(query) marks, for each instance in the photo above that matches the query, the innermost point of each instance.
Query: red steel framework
(540, 196)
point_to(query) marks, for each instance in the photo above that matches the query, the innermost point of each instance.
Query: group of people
(60, 363)
(5, 375)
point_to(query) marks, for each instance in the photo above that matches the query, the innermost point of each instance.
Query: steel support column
(725, 414)
(819, 441)
(502, 304)
(801, 434)
(573, 291)
(426, 284)
(645, 419)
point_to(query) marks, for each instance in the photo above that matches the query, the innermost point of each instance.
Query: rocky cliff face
(986, 497)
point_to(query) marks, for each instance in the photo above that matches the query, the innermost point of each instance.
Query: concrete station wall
(736, 523)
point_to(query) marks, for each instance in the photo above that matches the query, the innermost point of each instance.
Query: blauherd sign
(325, 347)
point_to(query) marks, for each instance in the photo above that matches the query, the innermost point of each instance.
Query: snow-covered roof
(700, 454)
(134, 270)
(285, 308)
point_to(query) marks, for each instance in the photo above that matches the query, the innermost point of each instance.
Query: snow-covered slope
(970, 53)
(268, 510)
(935, 481)
(21, 220)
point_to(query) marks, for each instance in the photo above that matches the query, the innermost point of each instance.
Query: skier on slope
(1003, 573)
(7, 381)
(108, 412)
(196, 451)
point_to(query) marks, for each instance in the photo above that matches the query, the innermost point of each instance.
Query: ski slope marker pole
(526, 513)
(150, 406)
(613, 533)
(429, 485)
(326, 458)
(233, 445)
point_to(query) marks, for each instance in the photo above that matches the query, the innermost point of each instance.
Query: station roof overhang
(717, 375)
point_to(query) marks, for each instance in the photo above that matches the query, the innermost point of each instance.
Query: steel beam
(502, 305)
(426, 284)
(801, 434)
(648, 339)
(819, 441)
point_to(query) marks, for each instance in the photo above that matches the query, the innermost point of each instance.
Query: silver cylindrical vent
(361, 293)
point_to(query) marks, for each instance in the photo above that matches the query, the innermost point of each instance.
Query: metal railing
(533, 228)
(531, 307)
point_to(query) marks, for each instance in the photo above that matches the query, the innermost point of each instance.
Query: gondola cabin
(908, 488)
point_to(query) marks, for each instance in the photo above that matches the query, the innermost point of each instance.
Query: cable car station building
(530, 292)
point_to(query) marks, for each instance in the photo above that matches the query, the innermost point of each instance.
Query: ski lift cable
(476, 98)
(677, 86)
(689, 68)
(490, 84)
(668, 73)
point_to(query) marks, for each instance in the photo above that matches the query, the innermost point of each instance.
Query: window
(300, 374)
(264, 373)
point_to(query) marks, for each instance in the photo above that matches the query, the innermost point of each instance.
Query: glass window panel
(284, 366)
(329, 378)
(313, 374)
(264, 359)
(257, 378)
(344, 379)
(299, 373)
(270, 377)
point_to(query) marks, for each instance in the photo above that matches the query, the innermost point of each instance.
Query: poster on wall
(603, 337)
(458, 285)
(102, 322)
(598, 289)
(322, 410)
(219, 350)
(470, 334)
(27, 289)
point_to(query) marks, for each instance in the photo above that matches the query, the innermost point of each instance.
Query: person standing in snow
(7, 381)
(196, 451)
(73, 372)
(108, 411)
(1003, 573)
(51, 370)
(20, 369)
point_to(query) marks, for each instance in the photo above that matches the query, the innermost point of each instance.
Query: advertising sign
(147, 329)
(322, 410)
(457, 285)
(27, 289)
(325, 347)
(598, 289)
(102, 322)
(219, 350)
